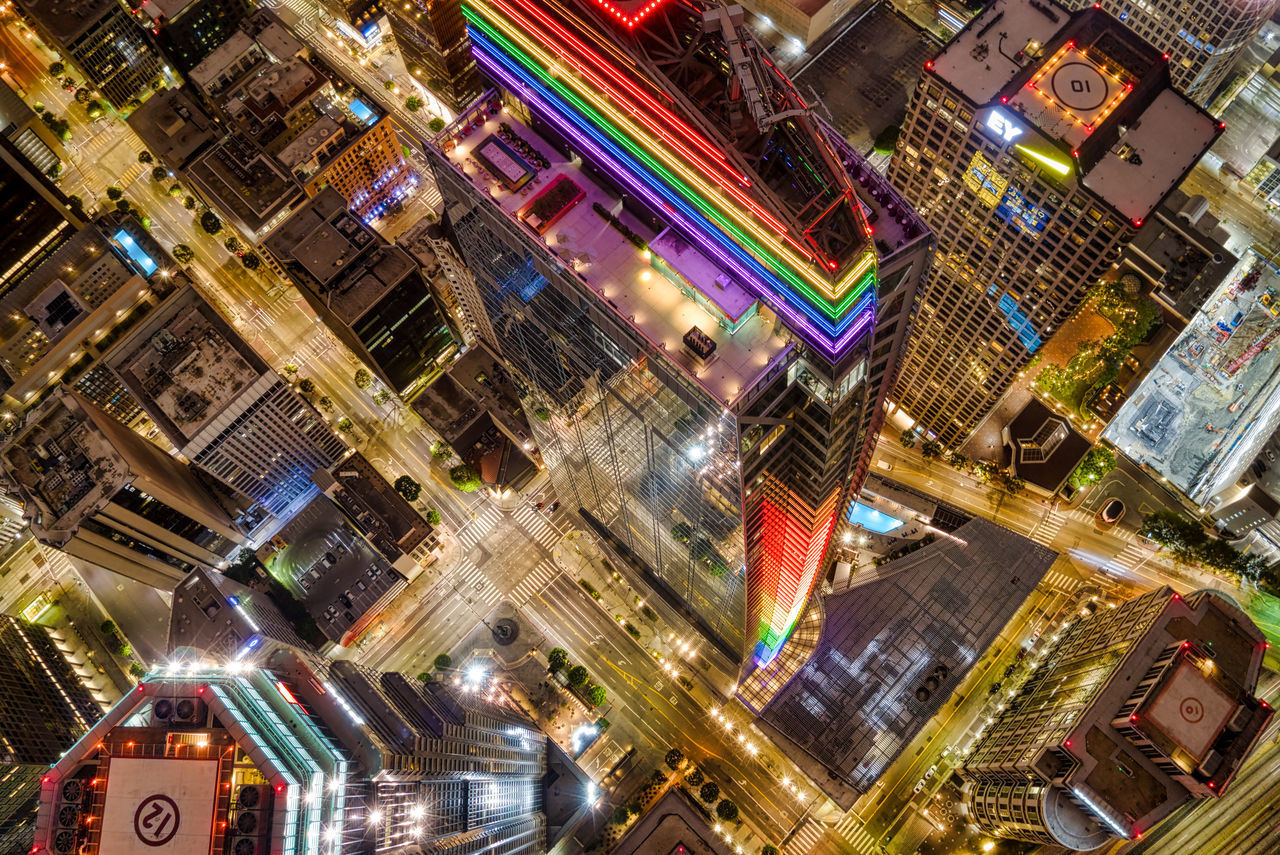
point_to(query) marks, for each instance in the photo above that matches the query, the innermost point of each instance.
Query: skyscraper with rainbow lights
(701, 290)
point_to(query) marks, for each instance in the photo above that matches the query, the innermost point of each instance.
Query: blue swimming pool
(872, 520)
(146, 264)
(363, 113)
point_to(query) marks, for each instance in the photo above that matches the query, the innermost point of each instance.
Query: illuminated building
(101, 40)
(369, 293)
(1036, 144)
(432, 36)
(1129, 714)
(703, 330)
(44, 706)
(101, 493)
(59, 320)
(294, 126)
(222, 406)
(282, 752)
(187, 31)
(1203, 37)
(37, 217)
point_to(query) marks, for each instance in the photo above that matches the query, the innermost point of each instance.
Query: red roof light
(928, 65)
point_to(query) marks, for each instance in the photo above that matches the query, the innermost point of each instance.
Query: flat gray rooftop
(866, 75)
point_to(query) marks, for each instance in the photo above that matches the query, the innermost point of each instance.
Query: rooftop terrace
(612, 266)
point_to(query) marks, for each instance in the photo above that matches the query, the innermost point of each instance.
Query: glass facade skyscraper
(677, 261)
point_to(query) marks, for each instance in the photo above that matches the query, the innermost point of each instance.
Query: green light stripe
(816, 300)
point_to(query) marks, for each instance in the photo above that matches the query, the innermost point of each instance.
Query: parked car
(1112, 511)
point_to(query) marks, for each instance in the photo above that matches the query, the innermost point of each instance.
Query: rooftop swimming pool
(872, 520)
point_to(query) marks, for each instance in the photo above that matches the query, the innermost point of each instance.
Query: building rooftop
(63, 462)
(1083, 95)
(336, 573)
(892, 650)
(672, 826)
(349, 266)
(188, 362)
(865, 75)
(67, 20)
(383, 516)
(1180, 251)
(1046, 448)
(794, 237)
(173, 127)
(608, 263)
(245, 182)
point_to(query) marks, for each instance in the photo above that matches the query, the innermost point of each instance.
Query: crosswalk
(1130, 557)
(1048, 529)
(1061, 581)
(474, 531)
(533, 584)
(852, 831)
(538, 526)
(471, 583)
(805, 838)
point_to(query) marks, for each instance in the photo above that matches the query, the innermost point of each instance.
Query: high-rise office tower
(44, 706)
(37, 217)
(286, 753)
(1035, 144)
(701, 290)
(222, 406)
(1203, 37)
(369, 293)
(99, 492)
(187, 31)
(1132, 712)
(100, 39)
(432, 36)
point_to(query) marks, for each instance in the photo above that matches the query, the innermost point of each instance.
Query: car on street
(1112, 511)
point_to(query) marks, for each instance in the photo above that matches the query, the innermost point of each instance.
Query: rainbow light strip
(625, 128)
(788, 542)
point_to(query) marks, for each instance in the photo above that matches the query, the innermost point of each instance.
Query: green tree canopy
(465, 478)
(251, 261)
(210, 222)
(597, 695)
(363, 378)
(408, 488)
(727, 811)
(159, 173)
(144, 156)
(433, 517)
(443, 662)
(674, 758)
(887, 139)
(413, 103)
(440, 450)
(436, 125)
(114, 193)
(695, 778)
(709, 791)
(56, 69)
(1098, 462)
(577, 676)
(557, 659)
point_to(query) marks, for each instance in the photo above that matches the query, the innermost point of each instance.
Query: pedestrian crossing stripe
(475, 530)
(805, 838)
(546, 534)
(1061, 581)
(851, 829)
(471, 582)
(533, 584)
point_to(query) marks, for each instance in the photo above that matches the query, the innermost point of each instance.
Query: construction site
(1208, 406)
